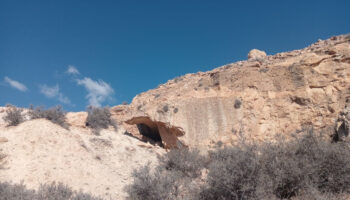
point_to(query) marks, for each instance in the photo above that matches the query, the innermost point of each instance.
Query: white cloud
(98, 91)
(15, 84)
(54, 92)
(63, 99)
(49, 92)
(72, 70)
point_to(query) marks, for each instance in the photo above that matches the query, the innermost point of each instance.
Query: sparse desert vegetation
(306, 167)
(13, 115)
(53, 191)
(99, 118)
(55, 114)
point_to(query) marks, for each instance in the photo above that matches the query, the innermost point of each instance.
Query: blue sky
(77, 53)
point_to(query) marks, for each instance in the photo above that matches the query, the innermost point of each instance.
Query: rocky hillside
(258, 98)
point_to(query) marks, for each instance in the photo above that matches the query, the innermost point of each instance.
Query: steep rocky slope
(39, 151)
(257, 98)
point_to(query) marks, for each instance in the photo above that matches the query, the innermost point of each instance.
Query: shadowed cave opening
(158, 132)
(151, 133)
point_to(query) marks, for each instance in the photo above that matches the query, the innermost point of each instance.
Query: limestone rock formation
(256, 54)
(342, 128)
(77, 119)
(256, 99)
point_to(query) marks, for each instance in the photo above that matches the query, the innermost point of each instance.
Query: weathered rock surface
(256, 54)
(342, 127)
(3, 140)
(77, 119)
(257, 98)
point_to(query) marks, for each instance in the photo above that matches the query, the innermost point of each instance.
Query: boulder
(256, 54)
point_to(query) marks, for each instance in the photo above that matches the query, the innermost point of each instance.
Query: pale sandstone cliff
(257, 98)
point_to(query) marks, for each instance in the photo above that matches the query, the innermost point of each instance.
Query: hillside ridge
(260, 96)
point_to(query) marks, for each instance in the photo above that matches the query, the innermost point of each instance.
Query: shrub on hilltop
(13, 115)
(99, 118)
(56, 115)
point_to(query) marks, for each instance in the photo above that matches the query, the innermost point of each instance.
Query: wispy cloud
(49, 92)
(98, 91)
(54, 92)
(15, 84)
(72, 70)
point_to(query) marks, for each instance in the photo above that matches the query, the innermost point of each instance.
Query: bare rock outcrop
(285, 93)
(342, 126)
(256, 54)
(77, 119)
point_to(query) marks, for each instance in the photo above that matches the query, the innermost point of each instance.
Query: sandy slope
(41, 152)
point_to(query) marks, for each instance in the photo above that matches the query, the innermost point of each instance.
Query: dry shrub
(288, 168)
(51, 191)
(13, 115)
(56, 115)
(170, 180)
(186, 162)
(54, 191)
(299, 168)
(15, 192)
(159, 185)
(233, 174)
(99, 118)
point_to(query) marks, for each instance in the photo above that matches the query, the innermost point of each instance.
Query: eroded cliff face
(257, 98)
